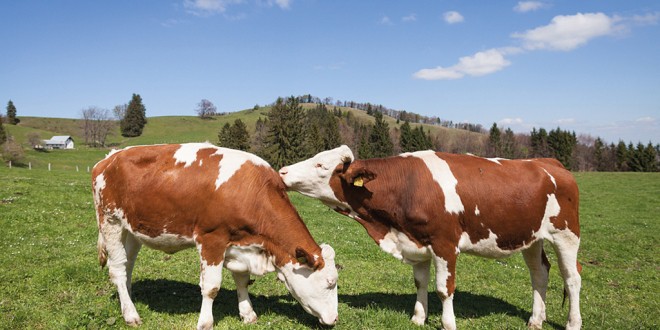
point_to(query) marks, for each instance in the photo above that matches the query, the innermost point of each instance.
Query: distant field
(50, 278)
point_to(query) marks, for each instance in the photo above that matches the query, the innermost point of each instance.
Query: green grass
(50, 278)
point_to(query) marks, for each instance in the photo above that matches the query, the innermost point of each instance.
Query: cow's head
(311, 177)
(315, 289)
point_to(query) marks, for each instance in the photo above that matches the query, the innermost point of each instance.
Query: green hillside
(165, 129)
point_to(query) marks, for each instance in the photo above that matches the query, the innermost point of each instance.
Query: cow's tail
(579, 269)
(103, 252)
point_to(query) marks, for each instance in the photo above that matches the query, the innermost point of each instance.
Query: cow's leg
(566, 245)
(421, 273)
(539, 267)
(244, 304)
(115, 238)
(212, 252)
(445, 281)
(132, 247)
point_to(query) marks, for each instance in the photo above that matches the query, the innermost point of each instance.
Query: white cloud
(211, 7)
(510, 121)
(284, 4)
(525, 6)
(568, 32)
(479, 64)
(208, 7)
(453, 17)
(648, 19)
(646, 120)
(409, 18)
(565, 121)
(385, 20)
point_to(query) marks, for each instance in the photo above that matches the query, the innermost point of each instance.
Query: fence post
(30, 165)
(77, 168)
(10, 164)
(48, 166)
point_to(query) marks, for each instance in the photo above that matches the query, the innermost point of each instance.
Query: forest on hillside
(296, 128)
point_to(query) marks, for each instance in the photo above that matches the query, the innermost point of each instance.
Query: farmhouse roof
(60, 138)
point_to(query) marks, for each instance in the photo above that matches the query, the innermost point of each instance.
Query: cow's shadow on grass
(466, 305)
(174, 297)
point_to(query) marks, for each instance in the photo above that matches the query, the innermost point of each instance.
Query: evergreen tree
(3, 134)
(135, 119)
(599, 154)
(234, 136)
(562, 144)
(420, 140)
(240, 135)
(224, 136)
(379, 139)
(332, 137)
(406, 138)
(285, 133)
(508, 144)
(621, 156)
(650, 158)
(11, 114)
(539, 143)
(495, 141)
(364, 147)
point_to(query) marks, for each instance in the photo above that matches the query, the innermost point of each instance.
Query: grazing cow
(230, 205)
(430, 206)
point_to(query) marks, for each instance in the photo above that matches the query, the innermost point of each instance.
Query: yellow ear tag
(358, 182)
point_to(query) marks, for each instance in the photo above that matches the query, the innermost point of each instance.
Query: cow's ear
(305, 258)
(359, 176)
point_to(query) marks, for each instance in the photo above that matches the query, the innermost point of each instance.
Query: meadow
(50, 277)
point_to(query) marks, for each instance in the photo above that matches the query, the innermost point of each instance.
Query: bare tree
(97, 125)
(206, 109)
(119, 111)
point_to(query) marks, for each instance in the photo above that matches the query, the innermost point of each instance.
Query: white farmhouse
(59, 142)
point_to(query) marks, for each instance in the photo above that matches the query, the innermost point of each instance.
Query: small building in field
(59, 142)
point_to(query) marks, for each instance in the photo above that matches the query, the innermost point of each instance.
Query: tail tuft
(103, 253)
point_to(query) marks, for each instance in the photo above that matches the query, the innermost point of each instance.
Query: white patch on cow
(552, 178)
(401, 247)
(495, 160)
(486, 247)
(444, 177)
(166, 242)
(315, 290)
(99, 185)
(232, 162)
(250, 258)
(476, 211)
(552, 209)
(441, 275)
(187, 153)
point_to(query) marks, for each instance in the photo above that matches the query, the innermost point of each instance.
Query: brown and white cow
(430, 206)
(230, 205)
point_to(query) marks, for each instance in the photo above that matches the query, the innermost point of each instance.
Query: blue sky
(589, 66)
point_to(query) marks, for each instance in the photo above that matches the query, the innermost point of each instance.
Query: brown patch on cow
(159, 196)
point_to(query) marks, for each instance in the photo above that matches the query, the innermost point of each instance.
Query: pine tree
(285, 133)
(495, 141)
(621, 156)
(562, 144)
(508, 144)
(260, 136)
(135, 119)
(240, 136)
(379, 139)
(406, 139)
(224, 136)
(11, 114)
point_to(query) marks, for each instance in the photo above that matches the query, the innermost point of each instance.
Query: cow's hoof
(418, 320)
(250, 318)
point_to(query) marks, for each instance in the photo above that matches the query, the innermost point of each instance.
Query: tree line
(289, 133)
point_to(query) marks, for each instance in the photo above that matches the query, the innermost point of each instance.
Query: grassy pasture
(50, 278)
